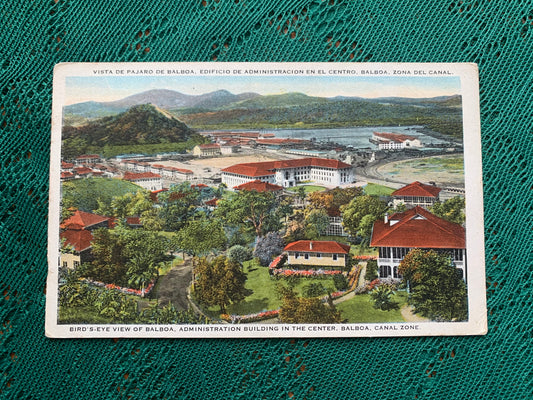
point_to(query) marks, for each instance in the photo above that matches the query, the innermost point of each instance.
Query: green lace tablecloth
(36, 34)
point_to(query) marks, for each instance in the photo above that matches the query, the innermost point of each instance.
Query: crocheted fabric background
(498, 35)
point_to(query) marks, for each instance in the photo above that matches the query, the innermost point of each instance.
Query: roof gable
(79, 239)
(81, 220)
(418, 228)
(417, 189)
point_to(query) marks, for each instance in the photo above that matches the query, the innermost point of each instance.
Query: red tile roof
(133, 176)
(209, 146)
(212, 202)
(133, 221)
(267, 168)
(82, 220)
(318, 246)
(259, 186)
(66, 165)
(418, 228)
(418, 189)
(65, 175)
(83, 170)
(395, 137)
(79, 239)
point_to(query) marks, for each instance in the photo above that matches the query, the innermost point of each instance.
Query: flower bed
(235, 319)
(278, 262)
(112, 286)
(365, 257)
(303, 273)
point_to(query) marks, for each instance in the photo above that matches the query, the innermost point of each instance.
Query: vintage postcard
(214, 200)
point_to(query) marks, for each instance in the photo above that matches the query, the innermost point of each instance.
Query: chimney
(386, 218)
(310, 245)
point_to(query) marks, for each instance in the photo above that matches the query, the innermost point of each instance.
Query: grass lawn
(308, 188)
(359, 309)
(264, 295)
(358, 250)
(373, 189)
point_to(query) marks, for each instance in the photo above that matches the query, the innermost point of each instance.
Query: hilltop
(140, 125)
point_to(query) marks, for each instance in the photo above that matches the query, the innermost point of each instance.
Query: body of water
(355, 137)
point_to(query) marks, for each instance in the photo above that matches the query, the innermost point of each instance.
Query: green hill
(140, 125)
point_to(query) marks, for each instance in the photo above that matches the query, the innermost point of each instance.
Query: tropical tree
(261, 212)
(437, 290)
(332, 200)
(295, 229)
(268, 247)
(220, 283)
(239, 253)
(200, 237)
(382, 297)
(178, 205)
(360, 213)
(452, 210)
(316, 223)
(306, 310)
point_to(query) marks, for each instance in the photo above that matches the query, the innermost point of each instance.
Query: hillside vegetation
(143, 125)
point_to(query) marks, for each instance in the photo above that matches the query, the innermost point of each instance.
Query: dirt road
(173, 286)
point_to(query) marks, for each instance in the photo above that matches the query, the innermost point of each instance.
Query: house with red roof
(288, 173)
(317, 253)
(146, 180)
(416, 228)
(76, 237)
(416, 194)
(394, 141)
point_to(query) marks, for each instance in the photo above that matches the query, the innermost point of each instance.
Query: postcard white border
(477, 322)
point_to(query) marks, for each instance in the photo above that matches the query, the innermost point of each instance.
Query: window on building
(306, 256)
(384, 271)
(335, 257)
(65, 264)
(76, 264)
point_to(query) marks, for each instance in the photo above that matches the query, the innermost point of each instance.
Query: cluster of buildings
(416, 228)
(147, 175)
(229, 142)
(394, 236)
(86, 166)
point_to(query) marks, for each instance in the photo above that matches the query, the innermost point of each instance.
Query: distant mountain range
(224, 110)
(224, 100)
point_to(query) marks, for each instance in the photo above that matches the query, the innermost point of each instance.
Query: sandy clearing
(414, 170)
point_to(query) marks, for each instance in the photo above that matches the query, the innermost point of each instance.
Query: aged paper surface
(265, 200)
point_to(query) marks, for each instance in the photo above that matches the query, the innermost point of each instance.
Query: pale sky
(109, 88)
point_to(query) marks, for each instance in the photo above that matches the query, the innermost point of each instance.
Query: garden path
(409, 316)
(173, 286)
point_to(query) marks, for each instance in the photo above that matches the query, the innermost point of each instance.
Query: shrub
(340, 282)
(371, 270)
(239, 253)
